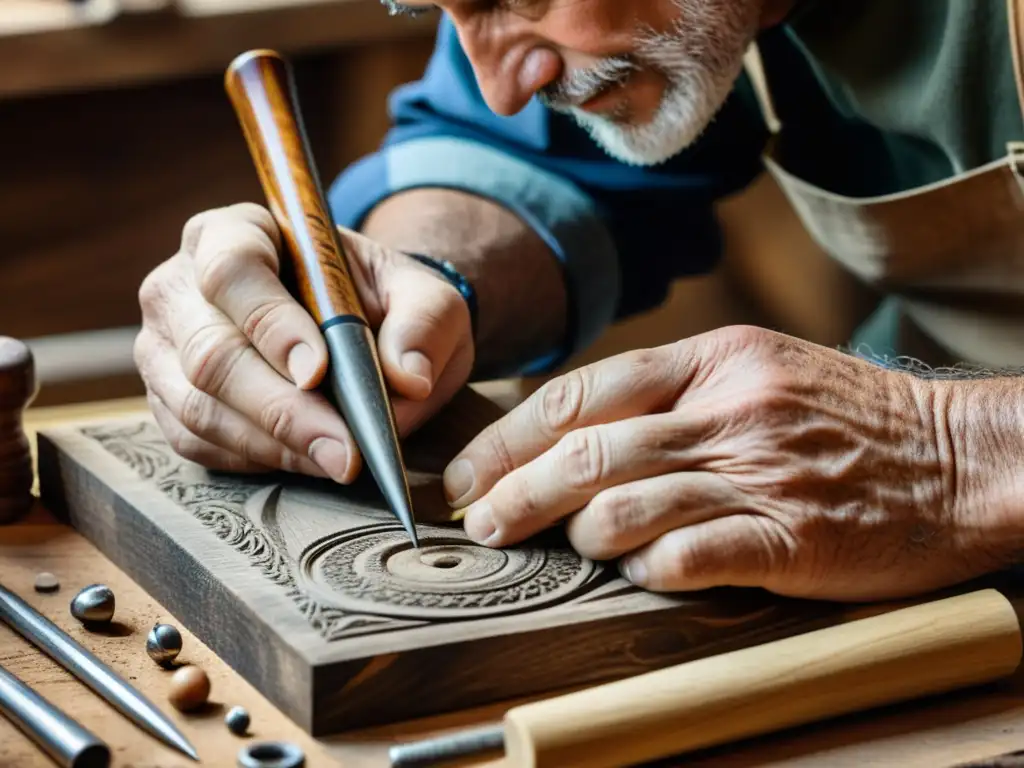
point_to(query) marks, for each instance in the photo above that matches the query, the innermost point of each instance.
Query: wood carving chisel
(926, 649)
(260, 86)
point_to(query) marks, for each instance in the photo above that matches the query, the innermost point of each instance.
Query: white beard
(701, 58)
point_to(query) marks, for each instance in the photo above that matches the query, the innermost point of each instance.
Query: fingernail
(331, 456)
(458, 480)
(633, 571)
(417, 364)
(480, 523)
(302, 364)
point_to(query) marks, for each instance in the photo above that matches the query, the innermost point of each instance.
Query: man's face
(643, 77)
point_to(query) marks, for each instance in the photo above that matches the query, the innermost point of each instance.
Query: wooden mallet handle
(17, 389)
(922, 650)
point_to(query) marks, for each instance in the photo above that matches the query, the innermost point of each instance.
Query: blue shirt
(624, 233)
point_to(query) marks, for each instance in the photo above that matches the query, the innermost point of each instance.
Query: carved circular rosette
(376, 570)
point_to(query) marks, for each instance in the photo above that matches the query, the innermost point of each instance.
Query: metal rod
(447, 748)
(63, 739)
(64, 649)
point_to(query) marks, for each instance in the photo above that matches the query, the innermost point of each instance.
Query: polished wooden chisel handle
(260, 86)
(926, 649)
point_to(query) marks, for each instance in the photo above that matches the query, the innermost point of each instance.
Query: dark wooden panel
(314, 593)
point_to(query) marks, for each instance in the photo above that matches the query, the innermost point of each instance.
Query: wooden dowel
(922, 650)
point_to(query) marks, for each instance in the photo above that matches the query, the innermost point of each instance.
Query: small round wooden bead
(47, 582)
(237, 720)
(93, 605)
(190, 688)
(163, 643)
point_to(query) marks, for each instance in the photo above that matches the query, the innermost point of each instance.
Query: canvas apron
(953, 252)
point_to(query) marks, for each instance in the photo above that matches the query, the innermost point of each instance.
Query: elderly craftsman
(565, 157)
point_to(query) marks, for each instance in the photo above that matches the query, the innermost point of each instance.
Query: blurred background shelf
(49, 46)
(115, 129)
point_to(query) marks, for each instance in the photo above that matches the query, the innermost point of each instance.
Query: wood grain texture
(38, 543)
(937, 733)
(17, 389)
(311, 591)
(262, 91)
(940, 732)
(934, 647)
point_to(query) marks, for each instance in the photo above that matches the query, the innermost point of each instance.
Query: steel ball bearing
(237, 720)
(163, 643)
(93, 605)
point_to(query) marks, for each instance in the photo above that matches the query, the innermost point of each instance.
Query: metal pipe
(63, 739)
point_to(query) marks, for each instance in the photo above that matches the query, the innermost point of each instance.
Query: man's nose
(510, 72)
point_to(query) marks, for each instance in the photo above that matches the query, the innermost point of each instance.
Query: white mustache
(581, 85)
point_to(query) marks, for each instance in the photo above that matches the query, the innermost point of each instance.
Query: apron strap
(754, 65)
(1015, 20)
(1015, 11)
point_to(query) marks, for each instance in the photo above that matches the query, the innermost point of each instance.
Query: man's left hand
(740, 457)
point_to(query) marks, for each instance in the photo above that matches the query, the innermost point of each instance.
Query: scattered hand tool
(64, 649)
(260, 87)
(63, 739)
(925, 649)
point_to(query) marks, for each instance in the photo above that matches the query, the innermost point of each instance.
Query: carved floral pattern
(218, 506)
(536, 577)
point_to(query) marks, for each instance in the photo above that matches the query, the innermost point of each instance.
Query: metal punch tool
(66, 741)
(64, 649)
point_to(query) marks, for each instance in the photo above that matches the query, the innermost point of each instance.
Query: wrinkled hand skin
(232, 362)
(740, 457)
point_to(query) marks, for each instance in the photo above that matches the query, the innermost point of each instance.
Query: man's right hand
(231, 361)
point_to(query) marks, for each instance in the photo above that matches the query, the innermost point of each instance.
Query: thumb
(425, 322)
(236, 267)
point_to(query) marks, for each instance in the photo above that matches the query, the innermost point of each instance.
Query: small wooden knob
(17, 390)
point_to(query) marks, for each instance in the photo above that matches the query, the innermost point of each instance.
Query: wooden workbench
(946, 731)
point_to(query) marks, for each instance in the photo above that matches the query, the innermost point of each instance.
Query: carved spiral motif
(376, 570)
